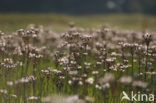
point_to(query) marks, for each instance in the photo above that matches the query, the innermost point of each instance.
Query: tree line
(79, 6)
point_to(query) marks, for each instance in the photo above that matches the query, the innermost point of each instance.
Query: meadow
(54, 58)
(59, 22)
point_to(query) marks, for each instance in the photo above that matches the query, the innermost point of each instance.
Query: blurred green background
(55, 14)
(59, 22)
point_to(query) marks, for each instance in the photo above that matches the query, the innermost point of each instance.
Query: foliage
(79, 6)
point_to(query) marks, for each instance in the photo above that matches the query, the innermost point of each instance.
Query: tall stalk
(147, 38)
(146, 63)
(132, 64)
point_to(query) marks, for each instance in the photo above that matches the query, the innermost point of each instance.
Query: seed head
(147, 38)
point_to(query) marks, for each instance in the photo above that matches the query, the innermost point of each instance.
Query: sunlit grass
(59, 22)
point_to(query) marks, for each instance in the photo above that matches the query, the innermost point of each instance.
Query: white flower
(90, 80)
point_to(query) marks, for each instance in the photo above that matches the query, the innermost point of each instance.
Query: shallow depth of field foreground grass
(82, 63)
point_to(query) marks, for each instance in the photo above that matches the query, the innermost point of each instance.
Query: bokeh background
(79, 6)
(56, 14)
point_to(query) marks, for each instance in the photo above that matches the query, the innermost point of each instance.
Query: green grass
(47, 85)
(59, 22)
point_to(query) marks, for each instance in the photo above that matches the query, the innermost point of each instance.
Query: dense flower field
(78, 66)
